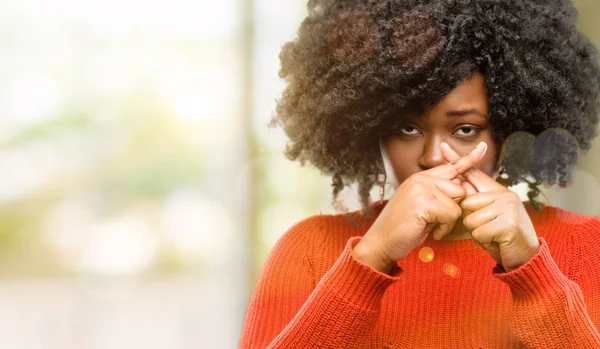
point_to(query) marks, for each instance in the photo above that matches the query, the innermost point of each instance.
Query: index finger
(452, 170)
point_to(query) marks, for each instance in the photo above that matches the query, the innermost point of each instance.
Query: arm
(550, 310)
(289, 308)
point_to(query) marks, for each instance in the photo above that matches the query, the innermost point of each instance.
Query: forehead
(469, 94)
(471, 90)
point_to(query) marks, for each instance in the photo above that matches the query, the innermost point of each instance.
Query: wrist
(365, 253)
(532, 252)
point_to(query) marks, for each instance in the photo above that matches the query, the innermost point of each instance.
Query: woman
(457, 100)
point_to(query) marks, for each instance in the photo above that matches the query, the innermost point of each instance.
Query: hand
(425, 201)
(498, 221)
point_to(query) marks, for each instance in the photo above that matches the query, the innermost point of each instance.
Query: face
(459, 119)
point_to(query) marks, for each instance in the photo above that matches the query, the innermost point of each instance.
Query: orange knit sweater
(313, 293)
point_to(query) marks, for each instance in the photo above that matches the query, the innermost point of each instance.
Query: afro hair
(355, 64)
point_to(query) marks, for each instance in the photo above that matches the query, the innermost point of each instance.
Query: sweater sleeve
(289, 308)
(550, 310)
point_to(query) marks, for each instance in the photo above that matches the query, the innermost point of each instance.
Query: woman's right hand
(425, 201)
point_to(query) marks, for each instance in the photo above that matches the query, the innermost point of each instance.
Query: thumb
(442, 230)
(459, 182)
(469, 188)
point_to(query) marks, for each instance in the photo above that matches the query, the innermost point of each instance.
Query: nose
(432, 154)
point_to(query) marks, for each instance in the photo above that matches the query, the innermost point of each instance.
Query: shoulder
(571, 236)
(301, 235)
(564, 220)
(305, 228)
(324, 229)
(323, 235)
(584, 251)
(586, 229)
(556, 220)
(576, 232)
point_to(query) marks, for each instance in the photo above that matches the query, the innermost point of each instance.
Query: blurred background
(140, 187)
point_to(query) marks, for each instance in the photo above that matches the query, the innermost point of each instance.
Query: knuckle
(514, 225)
(453, 169)
(508, 238)
(421, 185)
(418, 185)
(515, 206)
(457, 212)
(412, 180)
(455, 185)
(455, 172)
(513, 198)
(466, 222)
(416, 177)
(510, 224)
(424, 200)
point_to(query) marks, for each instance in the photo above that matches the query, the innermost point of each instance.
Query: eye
(465, 131)
(408, 128)
(473, 131)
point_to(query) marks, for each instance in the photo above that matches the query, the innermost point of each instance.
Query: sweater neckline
(468, 244)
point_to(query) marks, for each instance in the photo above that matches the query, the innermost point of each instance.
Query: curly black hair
(356, 63)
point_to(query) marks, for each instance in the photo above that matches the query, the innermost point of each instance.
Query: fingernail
(443, 144)
(484, 146)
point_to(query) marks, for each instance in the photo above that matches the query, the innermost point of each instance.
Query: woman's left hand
(499, 223)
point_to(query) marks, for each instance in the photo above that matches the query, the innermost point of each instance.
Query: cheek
(404, 161)
(407, 168)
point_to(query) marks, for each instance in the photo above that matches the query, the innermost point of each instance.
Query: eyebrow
(465, 112)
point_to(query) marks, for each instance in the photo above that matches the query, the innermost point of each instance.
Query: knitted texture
(313, 292)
